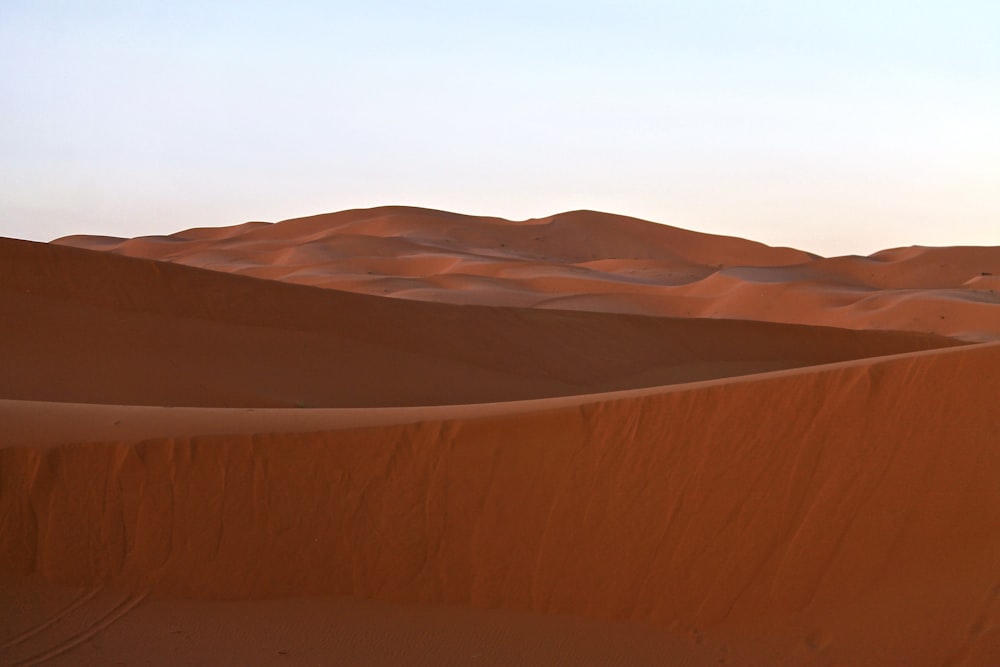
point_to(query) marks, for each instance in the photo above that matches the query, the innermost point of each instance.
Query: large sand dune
(200, 467)
(157, 334)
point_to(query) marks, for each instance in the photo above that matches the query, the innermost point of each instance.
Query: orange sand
(596, 261)
(200, 467)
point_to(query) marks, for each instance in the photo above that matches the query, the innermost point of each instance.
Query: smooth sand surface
(165, 632)
(198, 467)
(100, 328)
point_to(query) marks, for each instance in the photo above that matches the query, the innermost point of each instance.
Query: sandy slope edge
(29, 423)
(819, 502)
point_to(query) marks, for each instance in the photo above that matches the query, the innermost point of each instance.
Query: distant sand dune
(596, 261)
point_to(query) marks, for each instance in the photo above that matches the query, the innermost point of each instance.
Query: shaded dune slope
(91, 327)
(787, 515)
(585, 260)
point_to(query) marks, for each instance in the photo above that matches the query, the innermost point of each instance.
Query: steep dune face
(820, 506)
(586, 260)
(149, 333)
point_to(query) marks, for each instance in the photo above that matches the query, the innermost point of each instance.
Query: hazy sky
(834, 126)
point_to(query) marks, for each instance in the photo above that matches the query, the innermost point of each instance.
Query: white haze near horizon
(833, 127)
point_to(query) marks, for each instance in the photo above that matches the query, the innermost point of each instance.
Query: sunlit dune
(587, 260)
(402, 436)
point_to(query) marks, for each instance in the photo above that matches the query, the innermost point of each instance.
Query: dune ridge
(860, 493)
(586, 260)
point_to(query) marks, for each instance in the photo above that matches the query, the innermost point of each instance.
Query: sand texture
(586, 439)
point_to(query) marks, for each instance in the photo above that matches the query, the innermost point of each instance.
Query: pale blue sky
(837, 127)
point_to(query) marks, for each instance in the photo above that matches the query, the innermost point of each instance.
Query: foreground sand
(481, 485)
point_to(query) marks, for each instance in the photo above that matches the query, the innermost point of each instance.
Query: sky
(835, 127)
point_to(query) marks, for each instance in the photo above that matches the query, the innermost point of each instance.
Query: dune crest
(855, 497)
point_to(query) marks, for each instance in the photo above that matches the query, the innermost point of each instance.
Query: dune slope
(850, 510)
(89, 327)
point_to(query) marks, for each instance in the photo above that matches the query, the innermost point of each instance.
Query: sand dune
(633, 446)
(148, 333)
(860, 494)
(595, 261)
